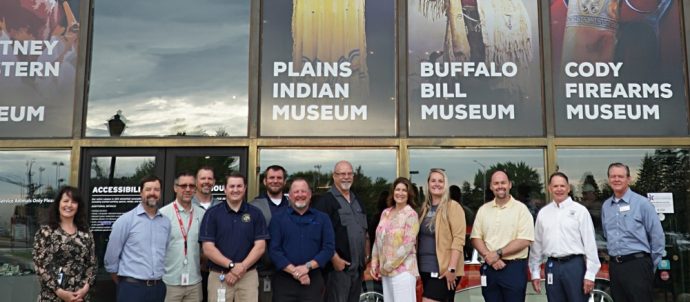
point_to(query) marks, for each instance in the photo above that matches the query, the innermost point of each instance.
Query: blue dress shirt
(631, 225)
(137, 245)
(296, 239)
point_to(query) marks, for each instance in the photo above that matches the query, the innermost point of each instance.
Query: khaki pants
(246, 289)
(183, 293)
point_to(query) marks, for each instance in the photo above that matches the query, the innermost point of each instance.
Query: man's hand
(114, 277)
(231, 278)
(300, 271)
(588, 286)
(239, 270)
(339, 264)
(491, 258)
(536, 284)
(498, 265)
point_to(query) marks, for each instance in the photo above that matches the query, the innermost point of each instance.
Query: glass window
(328, 68)
(474, 68)
(28, 182)
(169, 68)
(618, 68)
(40, 43)
(659, 170)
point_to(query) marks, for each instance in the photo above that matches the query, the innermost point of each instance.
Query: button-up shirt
(498, 225)
(631, 225)
(562, 230)
(175, 256)
(297, 239)
(137, 245)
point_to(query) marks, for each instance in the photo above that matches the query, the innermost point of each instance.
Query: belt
(565, 258)
(626, 258)
(148, 283)
(220, 271)
(513, 260)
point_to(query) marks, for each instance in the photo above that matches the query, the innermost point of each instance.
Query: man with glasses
(182, 274)
(346, 212)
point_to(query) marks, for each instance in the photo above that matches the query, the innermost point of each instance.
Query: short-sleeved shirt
(232, 232)
(174, 256)
(499, 225)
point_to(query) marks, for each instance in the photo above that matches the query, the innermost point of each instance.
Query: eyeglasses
(343, 174)
(186, 186)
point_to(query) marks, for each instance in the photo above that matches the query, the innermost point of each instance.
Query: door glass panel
(222, 165)
(28, 180)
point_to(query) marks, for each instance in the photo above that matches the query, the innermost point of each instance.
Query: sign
(328, 68)
(39, 42)
(663, 202)
(474, 68)
(618, 68)
(109, 202)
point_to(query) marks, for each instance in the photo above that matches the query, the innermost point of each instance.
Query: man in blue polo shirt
(302, 242)
(233, 236)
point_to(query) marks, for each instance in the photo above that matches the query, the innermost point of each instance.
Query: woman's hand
(375, 273)
(450, 279)
(68, 296)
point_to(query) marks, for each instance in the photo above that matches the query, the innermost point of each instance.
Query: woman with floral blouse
(64, 250)
(394, 258)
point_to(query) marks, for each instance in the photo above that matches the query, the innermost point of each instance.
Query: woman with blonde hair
(441, 240)
(394, 257)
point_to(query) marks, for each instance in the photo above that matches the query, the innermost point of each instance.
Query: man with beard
(346, 212)
(270, 202)
(135, 255)
(502, 232)
(634, 238)
(233, 236)
(182, 275)
(302, 242)
(205, 181)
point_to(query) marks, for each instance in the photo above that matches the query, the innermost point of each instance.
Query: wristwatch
(231, 265)
(499, 252)
(452, 270)
(309, 267)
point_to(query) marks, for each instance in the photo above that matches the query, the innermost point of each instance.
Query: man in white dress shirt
(564, 235)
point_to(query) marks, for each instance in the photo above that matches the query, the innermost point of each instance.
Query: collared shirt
(232, 232)
(631, 225)
(175, 258)
(214, 201)
(284, 203)
(394, 247)
(297, 239)
(498, 225)
(137, 245)
(564, 230)
(352, 216)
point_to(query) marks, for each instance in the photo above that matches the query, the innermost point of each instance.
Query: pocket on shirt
(633, 222)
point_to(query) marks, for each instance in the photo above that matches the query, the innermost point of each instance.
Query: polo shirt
(498, 225)
(297, 239)
(233, 232)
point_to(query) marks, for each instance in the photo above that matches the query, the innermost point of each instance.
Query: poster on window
(474, 68)
(618, 68)
(328, 68)
(38, 59)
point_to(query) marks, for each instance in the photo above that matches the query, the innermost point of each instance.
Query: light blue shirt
(137, 245)
(631, 225)
(174, 257)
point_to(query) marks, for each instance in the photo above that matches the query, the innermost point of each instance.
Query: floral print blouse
(74, 253)
(394, 248)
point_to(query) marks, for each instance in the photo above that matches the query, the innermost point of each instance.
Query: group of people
(289, 249)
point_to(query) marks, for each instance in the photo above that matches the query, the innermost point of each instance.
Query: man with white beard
(346, 212)
(135, 256)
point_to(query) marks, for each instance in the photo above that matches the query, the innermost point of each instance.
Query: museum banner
(39, 41)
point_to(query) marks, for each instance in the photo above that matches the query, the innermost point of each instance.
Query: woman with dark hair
(394, 258)
(64, 250)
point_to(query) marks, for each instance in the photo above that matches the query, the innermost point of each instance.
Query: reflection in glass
(222, 166)
(171, 67)
(28, 182)
(661, 170)
(374, 170)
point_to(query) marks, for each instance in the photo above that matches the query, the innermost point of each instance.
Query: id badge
(184, 279)
(434, 275)
(549, 279)
(267, 284)
(624, 208)
(483, 281)
(221, 294)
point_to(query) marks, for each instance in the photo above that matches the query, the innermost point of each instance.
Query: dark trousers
(567, 281)
(632, 281)
(204, 285)
(287, 289)
(139, 292)
(345, 286)
(506, 285)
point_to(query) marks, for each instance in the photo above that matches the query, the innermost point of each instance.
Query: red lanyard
(182, 230)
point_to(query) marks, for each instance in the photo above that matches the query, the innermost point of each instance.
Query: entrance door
(110, 184)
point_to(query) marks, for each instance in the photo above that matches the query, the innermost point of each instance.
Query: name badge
(267, 284)
(434, 275)
(221, 294)
(549, 279)
(624, 208)
(184, 279)
(483, 280)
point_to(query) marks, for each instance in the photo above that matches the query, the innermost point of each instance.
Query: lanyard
(182, 230)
